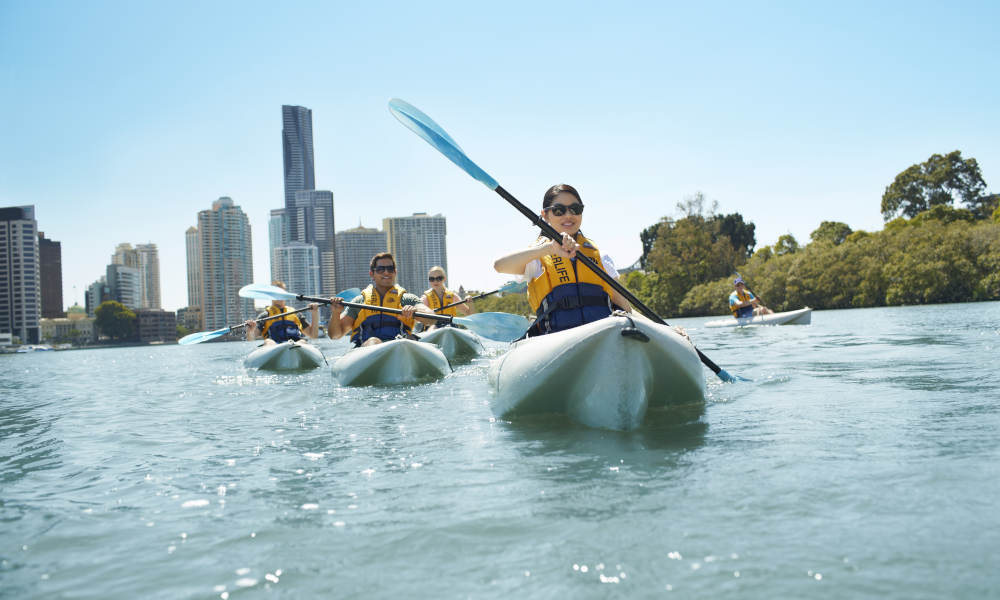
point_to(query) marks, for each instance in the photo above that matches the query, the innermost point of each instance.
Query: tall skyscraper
(417, 243)
(297, 147)
(277, 233)
(125, 284)
(50, 267)
(125, 255)
(298, 266)
(312, 215)
(192, 247)
(20, 289)
(149, 276)
(355, 249)
(226, 264)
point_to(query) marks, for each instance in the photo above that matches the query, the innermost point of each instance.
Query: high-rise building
(226, 264)
(192, 247)
(125, 255)
(125, 284)
(20, 289)
(355, 249)
(50, 269)
(312, 215)
(298, 266)
(277, 233)
(97, 292)
(417, 243)
(149, 276)
(297, 150)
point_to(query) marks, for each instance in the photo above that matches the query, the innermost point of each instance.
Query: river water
(861, 462)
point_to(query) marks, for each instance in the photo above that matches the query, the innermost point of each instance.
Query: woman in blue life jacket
(562, 292)
(289, 327)
(744, 304)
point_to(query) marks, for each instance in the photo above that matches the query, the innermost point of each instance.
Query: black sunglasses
(385, 268)
(560, 209)
(435, 278)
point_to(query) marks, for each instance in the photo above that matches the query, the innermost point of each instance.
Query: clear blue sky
(120, 121)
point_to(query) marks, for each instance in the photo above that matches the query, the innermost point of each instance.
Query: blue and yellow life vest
(371, 323)
(566, 295)
(434, 303)
(736, 298)
(282, 330)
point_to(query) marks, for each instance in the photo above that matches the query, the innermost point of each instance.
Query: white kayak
(286, 356)
(396, 362)
(458, 345)
(603, 374)
(803, 316)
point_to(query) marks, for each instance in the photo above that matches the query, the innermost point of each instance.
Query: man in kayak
(743, 303)
(563, 293)
(439, 296)
(290, 327)
(368, 326)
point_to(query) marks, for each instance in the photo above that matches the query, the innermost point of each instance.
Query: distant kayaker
(743, 303)
(290, 327)
(563, 293)
(369, 327)
(439, 296)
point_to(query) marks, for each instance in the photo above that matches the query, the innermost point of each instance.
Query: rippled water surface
(862, 461)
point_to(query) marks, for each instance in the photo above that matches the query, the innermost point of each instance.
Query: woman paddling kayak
(562, 293)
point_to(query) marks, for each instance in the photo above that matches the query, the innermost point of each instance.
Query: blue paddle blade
(263, 291)
(202, 336)
(502, 327)
(416, 121)
(350, 294)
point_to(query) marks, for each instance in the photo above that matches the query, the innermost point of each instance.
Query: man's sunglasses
(385, 269)
(560, 209)
(435, 278)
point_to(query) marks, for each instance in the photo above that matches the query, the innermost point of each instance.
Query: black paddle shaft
(550, 232)
(394, 311)
(467, 299)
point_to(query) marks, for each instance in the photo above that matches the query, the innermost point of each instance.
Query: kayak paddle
(204, 336)
(419, 123)
(502, 327)
(505, 288)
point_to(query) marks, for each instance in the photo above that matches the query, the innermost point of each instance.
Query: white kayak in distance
(458, 345)
(297, 355)
(803, 316)
(396, 362)
(604, 374)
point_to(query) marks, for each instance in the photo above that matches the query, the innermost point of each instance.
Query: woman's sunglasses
(433, 278)
(560, 209)
(385, 269)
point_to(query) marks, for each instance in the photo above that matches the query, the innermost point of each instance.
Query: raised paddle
(425, 127)
(507, 287)
(497, 326)
(204, 336)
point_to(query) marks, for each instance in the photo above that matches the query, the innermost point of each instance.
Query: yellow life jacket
(737, 297)
(434, 303)
(372, 323)
(566, 294)
(282, 329)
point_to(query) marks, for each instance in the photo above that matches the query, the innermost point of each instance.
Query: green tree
(115, 320)
(942, 179)
(834, 232)
(786, 244)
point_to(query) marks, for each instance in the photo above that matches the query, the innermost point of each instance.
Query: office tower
(20, 290)
(149, 276)
(417, 243)
(297, 150)
(226, 264)
(277, 233)
(125, 285)
(125, 255)
(192, 247)
(298, 266)
(312, 217)
(354, 251)
(50, 269)
(97, 292)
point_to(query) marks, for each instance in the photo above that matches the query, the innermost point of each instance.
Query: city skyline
(788, 114)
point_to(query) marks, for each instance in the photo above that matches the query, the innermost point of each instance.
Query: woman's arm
(514, 263)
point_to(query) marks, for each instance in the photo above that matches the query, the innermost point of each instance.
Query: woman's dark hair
(552, 192)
